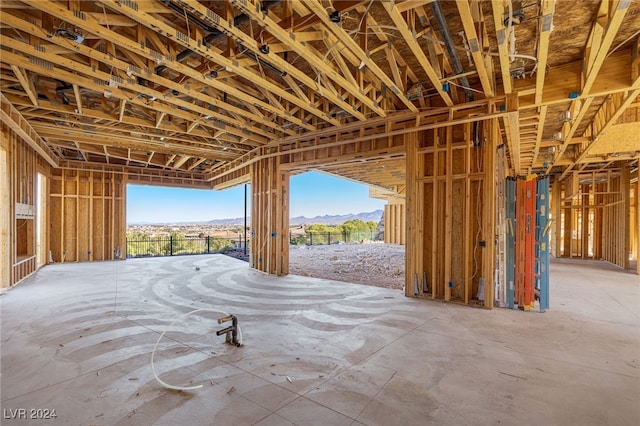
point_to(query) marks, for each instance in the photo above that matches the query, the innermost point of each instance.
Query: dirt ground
(376, 264)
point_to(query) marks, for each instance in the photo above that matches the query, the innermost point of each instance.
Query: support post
(270, 217)
(245, 219)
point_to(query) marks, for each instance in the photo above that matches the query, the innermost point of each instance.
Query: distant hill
(302, 220)
(337, 219)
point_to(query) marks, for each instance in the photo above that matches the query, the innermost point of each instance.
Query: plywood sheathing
(88, 214)
(450, 213)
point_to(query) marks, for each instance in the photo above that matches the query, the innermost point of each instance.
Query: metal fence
(323, 238)
(179, 245)
(176, 245)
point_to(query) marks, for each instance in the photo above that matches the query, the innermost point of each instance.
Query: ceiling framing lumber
(125, 43)
(603, 32)
(178, 86)
(545, 25)
(611, 111)
(475, 45)
(578, 110)
(502, 37)
(411, 41)
(27, 85)
(196, 46)
(12, 117)
(299, 47)
(221, 24)
(350, 44)
(512, 132)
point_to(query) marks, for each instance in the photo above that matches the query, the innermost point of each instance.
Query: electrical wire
(464, 87)
(155, 347)
(622, 43)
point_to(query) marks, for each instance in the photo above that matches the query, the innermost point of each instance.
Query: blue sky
(312, 194)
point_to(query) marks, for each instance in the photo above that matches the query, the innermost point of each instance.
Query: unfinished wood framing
(451, 213)
(143, 100)
(21, 163)
(88, 215)
(5, 216)
(395, 223)
(595, 216)
(269, 217)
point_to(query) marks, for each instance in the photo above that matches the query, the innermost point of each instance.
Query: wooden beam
(197, 46)
(169, 160)
(541, 119)
(159, 116)
(512, 129)
(192, 126)
(196, 163)
(301, 49)
(76, 92)
(597, 131)
(578, 109)
(12, 118)
(189, 111)
(352, 45)
(123, 104)
(223, 25)
(502, 40)
(26, 83)
(183, 159)
(108, 121)
(411, 4)
(416, 49)
(545, 25)
(602, 35)
(89, 25)
(476, 47)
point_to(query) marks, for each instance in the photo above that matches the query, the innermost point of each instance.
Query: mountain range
(374, 216)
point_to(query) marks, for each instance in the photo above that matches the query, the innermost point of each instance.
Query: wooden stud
(5, 214)
(545, 26)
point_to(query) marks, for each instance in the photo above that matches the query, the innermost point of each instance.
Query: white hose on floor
(181, 317)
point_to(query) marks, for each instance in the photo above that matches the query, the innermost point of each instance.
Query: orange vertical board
(520, 242)
(529, 243)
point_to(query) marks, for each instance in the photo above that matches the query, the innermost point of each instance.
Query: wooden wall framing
(395, 218)
(21, 165)
(451, 212)
(88, 215)
(269, 217)
(596, 216)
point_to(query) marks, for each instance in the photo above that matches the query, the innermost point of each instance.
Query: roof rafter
(603, 32)
(353, 46)
(545, 24)
(301, 49)
(403, 28)
(476, 46)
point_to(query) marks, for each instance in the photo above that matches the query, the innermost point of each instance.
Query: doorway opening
(41, 220)
(336, 233)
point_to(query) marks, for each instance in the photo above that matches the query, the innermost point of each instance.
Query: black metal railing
(175, 245)
(323, 238)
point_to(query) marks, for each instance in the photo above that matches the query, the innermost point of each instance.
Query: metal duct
(213, 33)
(448, 42)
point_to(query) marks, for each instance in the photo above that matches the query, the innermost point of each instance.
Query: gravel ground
(376, 264)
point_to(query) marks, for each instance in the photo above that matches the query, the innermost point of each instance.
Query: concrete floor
(77, 338)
